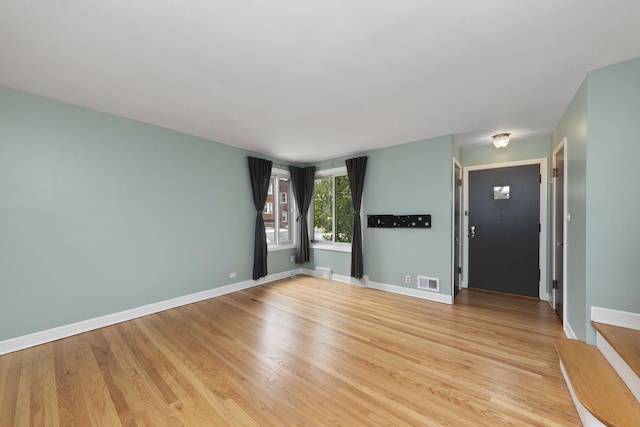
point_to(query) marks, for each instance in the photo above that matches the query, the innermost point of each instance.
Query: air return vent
(323, 272)
(429, 283)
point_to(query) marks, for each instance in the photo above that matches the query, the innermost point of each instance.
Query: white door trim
(563, 144)
(453, 225)
(542, 293)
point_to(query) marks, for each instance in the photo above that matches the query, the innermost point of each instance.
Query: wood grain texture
(596, 384)
(625, 341)
(301, 351)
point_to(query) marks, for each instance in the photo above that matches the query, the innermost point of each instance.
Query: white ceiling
(308, 80)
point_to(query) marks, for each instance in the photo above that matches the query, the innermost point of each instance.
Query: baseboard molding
(608, 316)
(42, 337)
(416, 293)
(337, 277)
(53, 334)
(349, 280)
(568, 332)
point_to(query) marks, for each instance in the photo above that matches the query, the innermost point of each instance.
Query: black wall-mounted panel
(399, 221)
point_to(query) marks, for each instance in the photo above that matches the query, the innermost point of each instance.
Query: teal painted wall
(403, 179)
(573, 126)
(100, 214)
(338, 262)
(411, 178)
(613, 201)
(517, 150)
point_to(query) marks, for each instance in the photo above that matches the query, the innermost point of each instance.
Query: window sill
(274, 248)
(336, 247)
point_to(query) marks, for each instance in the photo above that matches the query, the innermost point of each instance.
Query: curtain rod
(321, 165)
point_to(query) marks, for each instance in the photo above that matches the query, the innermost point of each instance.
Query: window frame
(326, 244)
(276, 211)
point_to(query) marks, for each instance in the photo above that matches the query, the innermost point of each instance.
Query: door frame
(454, 188)
(543, 293)
(563, 145)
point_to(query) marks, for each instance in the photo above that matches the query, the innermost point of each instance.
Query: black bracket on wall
(399, 221)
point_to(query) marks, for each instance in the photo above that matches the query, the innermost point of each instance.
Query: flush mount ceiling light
(501, 140)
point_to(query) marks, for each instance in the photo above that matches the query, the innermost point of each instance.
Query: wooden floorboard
(301, 351)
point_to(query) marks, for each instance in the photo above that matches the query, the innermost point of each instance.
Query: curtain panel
(260, 173)
(302, 180)
(356, 169)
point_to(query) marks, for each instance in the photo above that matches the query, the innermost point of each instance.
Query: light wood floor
(301, 351)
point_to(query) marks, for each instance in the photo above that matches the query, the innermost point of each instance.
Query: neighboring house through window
(277, 209)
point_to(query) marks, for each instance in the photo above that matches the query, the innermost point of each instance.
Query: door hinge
(459, 270)
(539, 275)
(554, 284)
(555, 172)
(540, 178)
(539, 228)
(459, 182)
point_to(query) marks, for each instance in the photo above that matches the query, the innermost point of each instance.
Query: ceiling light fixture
(501, 140)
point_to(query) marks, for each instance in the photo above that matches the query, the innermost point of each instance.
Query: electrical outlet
(232, 275)
(407, 279)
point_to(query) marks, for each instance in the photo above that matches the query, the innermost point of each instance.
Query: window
(277, 210)
(332, 209)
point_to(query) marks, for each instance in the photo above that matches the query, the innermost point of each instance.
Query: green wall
(338, 262)
(517, 150)
(402, 179)
(405, 179)
(100, 214)
(603, 238)
(612, 204)
(573, 126)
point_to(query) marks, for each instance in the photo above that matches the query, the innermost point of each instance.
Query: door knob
(472, 231)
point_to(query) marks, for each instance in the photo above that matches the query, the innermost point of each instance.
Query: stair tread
(625, 341)
(596, 384)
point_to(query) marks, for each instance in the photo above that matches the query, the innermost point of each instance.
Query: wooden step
(621, 347)
(625, 341)
(596, 384)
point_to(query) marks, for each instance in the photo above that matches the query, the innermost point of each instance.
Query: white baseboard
(416, 293)
(42, 337)
(624, 319)
(568, 332)
(350, 280)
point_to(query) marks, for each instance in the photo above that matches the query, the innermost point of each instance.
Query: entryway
(505, 222)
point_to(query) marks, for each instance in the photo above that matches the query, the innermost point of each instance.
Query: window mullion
(335, 218)
(276, 210)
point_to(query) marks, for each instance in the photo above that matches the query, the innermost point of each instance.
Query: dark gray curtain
(355, 170)
(302, 182)
(260, 172)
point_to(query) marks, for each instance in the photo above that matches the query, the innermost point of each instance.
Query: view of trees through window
(332, 205)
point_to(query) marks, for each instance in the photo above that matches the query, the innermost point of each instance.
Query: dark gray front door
(558, 250)
(504, 221)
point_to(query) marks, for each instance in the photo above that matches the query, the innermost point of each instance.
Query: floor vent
(323, 272)
(429, 283)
